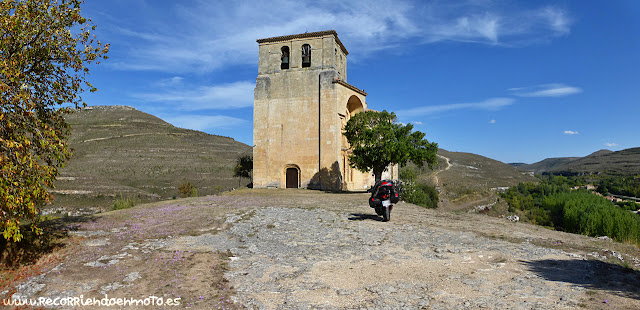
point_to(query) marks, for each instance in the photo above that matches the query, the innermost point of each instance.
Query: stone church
(302, 101)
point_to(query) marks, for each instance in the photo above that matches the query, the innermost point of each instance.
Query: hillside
(546, 164)
(625, 162)
(466, 180)
(121, 151)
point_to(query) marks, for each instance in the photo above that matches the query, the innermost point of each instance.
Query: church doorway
(292, 177)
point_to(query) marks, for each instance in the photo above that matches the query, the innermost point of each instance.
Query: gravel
(292, 258)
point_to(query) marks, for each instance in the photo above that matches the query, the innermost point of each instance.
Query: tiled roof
(349, 86)
(306, 35)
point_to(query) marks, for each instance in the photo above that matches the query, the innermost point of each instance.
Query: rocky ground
(298, 249)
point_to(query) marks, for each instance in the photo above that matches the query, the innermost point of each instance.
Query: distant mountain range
(624, 162)
(119, 150)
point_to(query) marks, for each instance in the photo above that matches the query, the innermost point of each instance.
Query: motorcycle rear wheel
(380, 211)
(387, 214)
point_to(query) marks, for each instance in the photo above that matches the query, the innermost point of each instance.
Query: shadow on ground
(364, 216)
(33, 246)
(590, 274)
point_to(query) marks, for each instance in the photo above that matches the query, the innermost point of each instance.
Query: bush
(123, 203)
(555, 205)
(417, 193)
(187, 189)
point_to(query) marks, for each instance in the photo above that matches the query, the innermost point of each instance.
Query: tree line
(553, 203)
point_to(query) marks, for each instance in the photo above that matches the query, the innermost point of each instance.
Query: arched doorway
(292, 175)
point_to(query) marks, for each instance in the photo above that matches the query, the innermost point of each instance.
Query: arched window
(306, 56)
(284, 58)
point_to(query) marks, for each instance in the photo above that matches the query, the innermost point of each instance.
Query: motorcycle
(383, 196)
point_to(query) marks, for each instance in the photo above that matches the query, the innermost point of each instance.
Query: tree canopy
(45, 46)
(377, 140)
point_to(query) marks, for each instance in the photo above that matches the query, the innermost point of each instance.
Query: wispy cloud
(204, 122)
(545, 90)
(224, 96)
(493, 121)
(489, 104)
(171, 82)
(571, 132)
(494, 23)
(611, 144)
(209, 35)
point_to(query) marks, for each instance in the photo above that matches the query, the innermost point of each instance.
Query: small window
(284, 58)
(306, 56)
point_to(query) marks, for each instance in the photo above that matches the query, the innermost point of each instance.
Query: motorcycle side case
(395, 197)
(374, 202)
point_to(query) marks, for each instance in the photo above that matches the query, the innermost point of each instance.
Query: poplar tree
(45, 47)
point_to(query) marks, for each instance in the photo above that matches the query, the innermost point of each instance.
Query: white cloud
(478, 28)
(224, 96)
(204, 36)
(491, 104)
(204, 122)
(417, 123)
(611, 144)
(493, 121)
(556, 19)
(546, 90)
(171, 82)
(571, 132)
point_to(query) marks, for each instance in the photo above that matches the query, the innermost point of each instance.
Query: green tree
(186, 189)
(45, 46)
(377, 140)
(243, 168)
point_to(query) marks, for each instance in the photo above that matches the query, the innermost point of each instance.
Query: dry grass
(122, 151)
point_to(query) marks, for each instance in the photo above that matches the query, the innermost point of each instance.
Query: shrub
(187, 189)
(417, 193)
(431, 193)
(122, 202)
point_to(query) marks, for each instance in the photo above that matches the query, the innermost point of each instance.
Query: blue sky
(516, 81)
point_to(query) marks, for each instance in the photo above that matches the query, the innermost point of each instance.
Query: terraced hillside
(119, 150)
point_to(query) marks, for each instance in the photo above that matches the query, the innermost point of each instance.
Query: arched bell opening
(284, 58)
(306, 56)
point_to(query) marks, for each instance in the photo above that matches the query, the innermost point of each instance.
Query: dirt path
(436, 180)
(291, 249)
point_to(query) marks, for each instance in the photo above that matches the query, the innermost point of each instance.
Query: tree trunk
(377, 172)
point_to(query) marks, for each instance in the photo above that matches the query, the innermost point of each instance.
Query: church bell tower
(301, 103)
